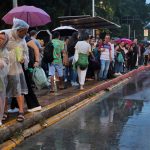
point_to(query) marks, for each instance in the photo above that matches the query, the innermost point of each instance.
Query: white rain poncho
(4, 61)
(18, 50)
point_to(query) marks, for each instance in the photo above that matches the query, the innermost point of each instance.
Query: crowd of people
(70, 60)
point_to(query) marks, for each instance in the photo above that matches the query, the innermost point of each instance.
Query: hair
(33, 33)
(97, 45)
(107, 35)
(85, 36)
(74, 36)
(6, 38)
(56, 35)
(91, 37)
(66, 38)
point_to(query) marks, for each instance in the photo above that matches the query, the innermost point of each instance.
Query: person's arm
(90, 52)
(36, 52)
(110, 53)
(101, 48)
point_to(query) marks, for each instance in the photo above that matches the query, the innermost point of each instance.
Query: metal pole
(93, 14)
(129, 31)
(15, 3)
(134, 34)
(93, 8)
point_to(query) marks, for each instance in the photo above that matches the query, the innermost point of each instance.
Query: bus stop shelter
(89, 22)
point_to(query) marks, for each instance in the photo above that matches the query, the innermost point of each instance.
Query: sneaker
(65, 80)
(76, 84)
(117, 74)
(15, 110)
(120, 73)
(35, 109)
(72, 83)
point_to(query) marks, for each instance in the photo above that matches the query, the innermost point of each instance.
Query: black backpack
(48, 53)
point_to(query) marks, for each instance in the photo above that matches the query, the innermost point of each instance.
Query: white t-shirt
(83, 47)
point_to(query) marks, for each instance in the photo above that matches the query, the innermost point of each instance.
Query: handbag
(120, 58)
(83, 61)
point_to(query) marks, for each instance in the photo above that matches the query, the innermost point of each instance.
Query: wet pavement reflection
(120, 121)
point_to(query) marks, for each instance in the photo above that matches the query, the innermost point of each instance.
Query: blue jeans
(118, 67)
(104, 69)
(73, 75)
(67, 73)
(70, 74)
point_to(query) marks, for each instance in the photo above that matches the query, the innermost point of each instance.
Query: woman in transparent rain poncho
(18, 55)
(4, 61)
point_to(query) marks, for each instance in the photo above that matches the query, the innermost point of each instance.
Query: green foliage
(113, 10)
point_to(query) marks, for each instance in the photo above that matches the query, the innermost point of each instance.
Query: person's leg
(119, 67)
(96, 75)
(66, 71)
(14, 103)
(20, 100)
(31, 99)
(51, 74)
(101, 75)
(116, 67)
(107, 64)
(75, 76)
(82, 78)
(2, 106)
(146, 60)
(59, 68)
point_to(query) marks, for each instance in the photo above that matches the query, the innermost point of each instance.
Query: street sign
(145, 33)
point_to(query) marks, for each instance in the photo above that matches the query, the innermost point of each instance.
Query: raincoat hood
(19, 24)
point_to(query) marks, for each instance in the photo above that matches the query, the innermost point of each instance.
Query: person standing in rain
(57, 64)
(18, 54)
(4, 61)
(105, 58)
(82, 51)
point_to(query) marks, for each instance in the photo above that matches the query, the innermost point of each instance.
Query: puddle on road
(121, 121)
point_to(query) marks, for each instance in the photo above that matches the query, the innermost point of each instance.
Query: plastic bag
(40, 78)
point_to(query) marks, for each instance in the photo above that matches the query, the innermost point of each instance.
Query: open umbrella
(125, 40)
(32, 15)
(44, 35)
(65, 30)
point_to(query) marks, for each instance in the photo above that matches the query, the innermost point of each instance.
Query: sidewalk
(54, 103)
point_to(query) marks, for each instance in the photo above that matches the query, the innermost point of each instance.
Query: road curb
(10, 144)
(35, 122)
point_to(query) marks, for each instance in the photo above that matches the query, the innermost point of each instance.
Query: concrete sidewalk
(55, 103)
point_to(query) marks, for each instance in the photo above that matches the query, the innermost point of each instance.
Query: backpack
(40, 78)
(48, 53)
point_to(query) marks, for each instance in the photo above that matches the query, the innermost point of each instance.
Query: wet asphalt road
(120, 121)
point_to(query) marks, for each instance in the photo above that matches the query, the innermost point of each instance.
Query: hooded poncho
(17, 48)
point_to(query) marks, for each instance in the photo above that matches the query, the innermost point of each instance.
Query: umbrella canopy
(65, 30)
(126, 41)
(32, 15)
(44, 35)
